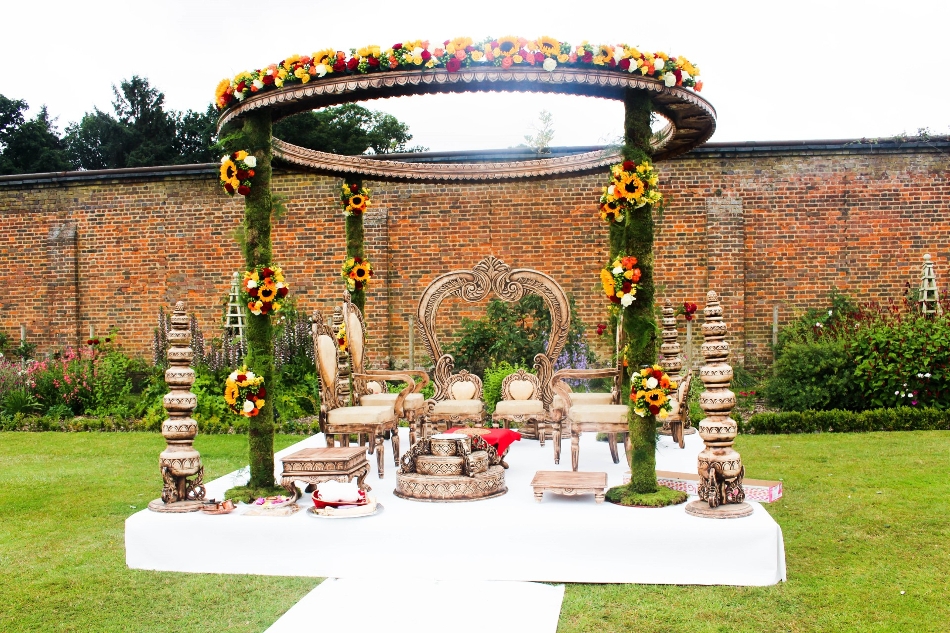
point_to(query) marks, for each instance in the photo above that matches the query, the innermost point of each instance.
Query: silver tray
(312, 511)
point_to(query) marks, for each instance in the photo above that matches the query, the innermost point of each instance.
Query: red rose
(234, 156)
(353, 63)
(282, 292)
(89, 342)
(109, 339)
(358, 260)
(358, 285)
(265, 307)
(628, 165)
(611, 63)
(614, 299)
(241, 378)
(426, 55)
(261, 393)
(657, 374)
(242, 174)
(241, 87)
(396, 47)
(445, 43)
(266, 272)
(354, 188)
(228, 187)
(679, 76)
(339, 66)
(523, 53)
(689, 317)
(469, 49)
(453, 65)
(627, 286)
(250, 173)
(252, 292)
(267, 80)
(654, 409)
(244, 190)
(624, 64)
(588, 58)
(373, 62)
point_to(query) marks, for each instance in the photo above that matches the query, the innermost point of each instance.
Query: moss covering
(258, 206)
(249, 494)
(628, 496)
(354, 243)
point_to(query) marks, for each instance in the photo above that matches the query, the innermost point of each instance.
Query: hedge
(838, 421)
(214, 426)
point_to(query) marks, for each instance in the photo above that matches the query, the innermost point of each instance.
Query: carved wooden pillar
(720, 466)
(180, 460)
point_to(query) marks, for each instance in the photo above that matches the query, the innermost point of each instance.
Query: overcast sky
(773, 70)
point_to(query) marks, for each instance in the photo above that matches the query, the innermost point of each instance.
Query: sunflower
(607, 281)
(357, 203)
(656, 397)
(630, 187)
(267, 293)
(508, 45)
(229, 173)
(461, 43)
(222, 88)
(231, 392)
(361, 272)
(549, 46)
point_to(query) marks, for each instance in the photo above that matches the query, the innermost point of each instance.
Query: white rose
(658, 64)
(250, 375)
(248, 406)
(633, 66)
(251, 284)
(250, 161)
(618, 54)
(280, 285)
(652, 382)
(320, 70)
(233, 375)
(225, 159)
(685, 74)
(257, 83)
(669, 79)
(617, 271)
(549, 64)
(626, 300)
(417, 51)
(239, 95)
(610, 189)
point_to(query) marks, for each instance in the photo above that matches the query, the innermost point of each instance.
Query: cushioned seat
(473, 408)
(413, 400)
(362, 414)
(519, 407)
(599, 414)
(578, 397)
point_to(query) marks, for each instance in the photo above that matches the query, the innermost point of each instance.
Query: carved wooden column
(670, 359)
(720, 466)
(180, 460)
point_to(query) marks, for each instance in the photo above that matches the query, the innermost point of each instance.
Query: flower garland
(631, 186)
(244, 392)
(356, 272)
(354, 199)
(619, 279)
(649, 392)
(454, 55)
(237, 170)
(261, 289)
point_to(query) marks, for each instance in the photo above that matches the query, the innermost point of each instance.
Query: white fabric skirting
(509, 538)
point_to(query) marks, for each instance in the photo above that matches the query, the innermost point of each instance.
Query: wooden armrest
(564, 390)
(385, 375)
(394, 375)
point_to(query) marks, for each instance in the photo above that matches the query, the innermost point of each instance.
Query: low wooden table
(315, 465)
(569, 482)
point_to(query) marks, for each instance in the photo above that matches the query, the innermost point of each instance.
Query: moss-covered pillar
(635, 237)
(354, 242)
(258, 205)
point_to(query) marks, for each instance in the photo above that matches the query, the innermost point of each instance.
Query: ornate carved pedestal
(720, 466)
(567, 482)
(180, 460)
(447, 468)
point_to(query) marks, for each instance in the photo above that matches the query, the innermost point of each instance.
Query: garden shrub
(491, 383)
(812, 375)
(840, 421)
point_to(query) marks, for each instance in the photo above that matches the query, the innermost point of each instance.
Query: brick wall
(763, 224)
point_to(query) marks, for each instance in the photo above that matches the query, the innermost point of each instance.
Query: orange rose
(628, 262)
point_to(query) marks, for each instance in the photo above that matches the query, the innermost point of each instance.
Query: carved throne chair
(521, 403)
(337, 420)
(376, 392)
(458, 395)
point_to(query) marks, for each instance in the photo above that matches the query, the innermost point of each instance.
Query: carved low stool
(316, 465)
(569, 482)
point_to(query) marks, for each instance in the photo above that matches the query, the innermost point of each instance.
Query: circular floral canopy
(511, 64)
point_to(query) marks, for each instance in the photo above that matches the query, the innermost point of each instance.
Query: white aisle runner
(347, 604)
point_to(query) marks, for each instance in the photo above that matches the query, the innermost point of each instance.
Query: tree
(349, 129)
(29, 146)
(541, 141)
(195, 135)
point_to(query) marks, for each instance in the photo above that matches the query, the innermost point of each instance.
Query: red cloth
(501, 439)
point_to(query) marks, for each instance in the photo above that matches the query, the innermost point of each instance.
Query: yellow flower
(562, 58)
(230, 392)
(628, 274)
(259, 404)
(222, 87)
(646, 371)
(477, 56)
(517, 59)
(657, 397)
(607, 281)
(459, 43)
(507, 46)
(229, 173)
(417, 60)
(361, 271)
(549, 45)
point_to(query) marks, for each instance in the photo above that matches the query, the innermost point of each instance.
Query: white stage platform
(509, 538)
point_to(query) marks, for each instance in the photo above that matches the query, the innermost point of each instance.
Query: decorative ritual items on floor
(180, 460)
(316, 465)
(451, 467)
(569, 482)
(500, 439)
(720, 467)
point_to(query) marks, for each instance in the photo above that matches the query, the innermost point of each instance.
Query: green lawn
(858, 532)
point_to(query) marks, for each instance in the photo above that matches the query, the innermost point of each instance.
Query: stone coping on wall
(723, 150)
